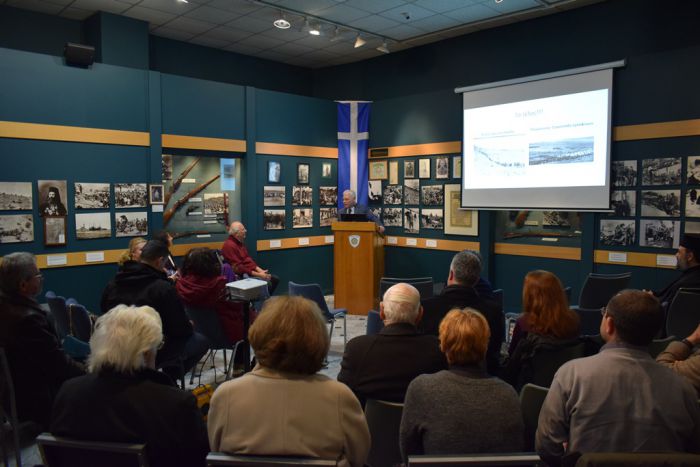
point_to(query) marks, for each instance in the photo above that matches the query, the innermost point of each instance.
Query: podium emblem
(354, 240)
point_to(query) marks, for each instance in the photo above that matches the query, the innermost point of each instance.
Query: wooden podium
(358, 265)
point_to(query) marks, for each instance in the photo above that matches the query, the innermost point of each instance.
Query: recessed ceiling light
(315, 29)
(281, 22)
(359, 41)
(183, 1)
(383, 48)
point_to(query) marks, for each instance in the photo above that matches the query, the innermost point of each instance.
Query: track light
(315, 29)
(359, 41)
(383, 48)
(281, 22)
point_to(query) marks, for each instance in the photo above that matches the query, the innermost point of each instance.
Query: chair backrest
(384, 420)
(567, 292)
(659, 345)
(638, 459)
(219, 458)
(66, 452)
(589, 319)
(312, 292)
(374, 323)
(498, 297)
(57, 307)
(7, 392)
(424, 285)
(546, 361)
(600, 288)
(501, 459)
(683, 312)
(531, 400)
(79, 322)
(207, 323)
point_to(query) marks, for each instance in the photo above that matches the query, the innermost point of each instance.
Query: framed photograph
(393, 217)
(442, 167)
(17, 228)
(432, 195)
(432, 219)
(692, 202)
(393, 194)
(394, 172)
(411, 223)
(662, 171)
(693, 171)
(274, 170)
(302, 218)
(661, 203)
(55, 230)
(215, 204)
(302, 195)
(131, 224)
(91, 195)
(409, 169)
(328, 195)
(274, 195)
(378, 170)
(52, 194)
(273, 219)
(374, 191)
(457, 167)
(155, 194)
(377, 211)
(327, 216)
(411, 191)
(617, 233)
(624, 173)
(166, 167)
(624, 203)
(130, 195)
(326, 169)
(93, 225)
(692, 227)
(15, 196)
(303, 174)
(423, 168)
(659, 233)
(559, 219)
(459, 221)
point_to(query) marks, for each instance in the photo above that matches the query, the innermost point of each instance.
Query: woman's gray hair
(15, 268)
(122, 336)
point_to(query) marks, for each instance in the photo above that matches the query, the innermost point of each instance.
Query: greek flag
(353, 144)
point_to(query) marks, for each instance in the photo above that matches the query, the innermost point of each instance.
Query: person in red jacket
(236, 253)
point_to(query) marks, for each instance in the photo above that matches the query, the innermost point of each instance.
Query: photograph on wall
(378, 170)
(155, 193)
(624, 173)
(215, 204)
(302, 195)
(442, 167)
(52, 196)
(15, 196)
(409, 169)
(328, 195)
(459, 221)
(393, 172)
(659, 233)
(692, 202)
(17, 228)
(93, 225)
(432, 219)
(616, 232)
(411, 191)
(303, 173)
(393, 194)
(693, 171)
(326, 170)
(302, 218)
(327, 216)
(374, 191)
(91, 195)
(166, 167)
(558, 219)
(131, 224)
(273, 219)
(661, 203)
(423, 168)
(130, 195)
(662, 171)
(692, 227)
(411, 223)
(432, 195)
(376, 211)
(457, 167)
(393, 217)
(623, 203)
(274, 195)
(274, 171)
(55, 230)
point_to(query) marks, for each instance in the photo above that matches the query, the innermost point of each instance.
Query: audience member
(688, 261)
(461, 410)
(133, 253)
(620, 400)
(465, 269)
(683, 357)
(123, 399)
(37, 363)
(236, 253)
(381, 366)
(145, 283)
(169, 267)
(283, 407)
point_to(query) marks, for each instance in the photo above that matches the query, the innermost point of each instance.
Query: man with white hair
(382, 366)
(236, 254)
(350, 206)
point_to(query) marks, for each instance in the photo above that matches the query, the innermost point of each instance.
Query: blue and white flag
(353, 144)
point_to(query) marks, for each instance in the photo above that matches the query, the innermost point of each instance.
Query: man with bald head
(236, 254)
(382, 366)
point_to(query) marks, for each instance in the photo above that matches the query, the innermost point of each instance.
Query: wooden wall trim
(431, 243)
(657, 130)
(633, 258)
(73, 133)
(201, 142)
(448, 147)
(277, 149)
(538, 251)
(295, 242)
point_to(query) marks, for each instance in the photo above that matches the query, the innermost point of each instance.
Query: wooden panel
(73, 133)
(448, 147)
(538, 251)
(657, 130)
(646, 260)
(440, 244)
(200, 142)
(296, 150)
(289, 243)
(357, 270)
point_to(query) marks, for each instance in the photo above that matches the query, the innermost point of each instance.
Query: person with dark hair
(688, 261)
(620, 400)
(52, 205)
(169, 266)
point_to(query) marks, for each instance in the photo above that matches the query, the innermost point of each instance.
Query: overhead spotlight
(281, 22)
(359, 41)
(182, 1)
(383, 48)
(315, 29)
(498, 1)
(336, 34)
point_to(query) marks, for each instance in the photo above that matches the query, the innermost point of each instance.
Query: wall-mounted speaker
(79, 54)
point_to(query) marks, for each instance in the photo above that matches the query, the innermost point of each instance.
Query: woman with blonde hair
(284, 407)
(462, 410)
(133, 253)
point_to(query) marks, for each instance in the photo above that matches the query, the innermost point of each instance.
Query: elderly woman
(124, 399)
(134, 252)
(462, 410)
(283, 407)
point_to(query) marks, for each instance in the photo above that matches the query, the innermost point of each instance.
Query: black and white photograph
(432, 195)
(155, 194)
(559, 219)
(623, 203)
(432, 219)
(327, 216)
(302, 195)
(274, 195)
(166, 167)
(661, 203)
(393, 172)
(326, 170)
(17, 228)
(374, 191)
(409, 169)
(411, 192)
(442, 167)
(457, 167)
(15, 196)
(130, 195)
(302, 218)
(53, 194)
(692, 227)
(214, 203)
(54, 230)
(693, 171)
(93, 225)
(662, 171)
(617, 232)
(624, 173)
(393, 217)
(302, 174)
(659, 233)
(423, 168)
(131, 224)
(274, 170)
(692, 202)
(91, 195)
(328, 195)
(393, 194)
(562, 151)
(273, 219)
(376, 211)
(411, 223)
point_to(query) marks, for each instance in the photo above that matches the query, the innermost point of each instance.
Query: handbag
(202, 394)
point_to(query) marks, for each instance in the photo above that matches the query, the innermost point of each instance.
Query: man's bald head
(401, 304)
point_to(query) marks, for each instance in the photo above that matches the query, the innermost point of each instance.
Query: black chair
(659, 345)
(65, 452)
(683, 313)
(384, 420)
(636, 459)
(80, 325)
(9, 423)
(313, 292)
(547, 361)
(589, 319)
(600, 288)
(59, 312)
(500, 459)
(423, 284)
(219, 458)
(374, 323)
(531, 400)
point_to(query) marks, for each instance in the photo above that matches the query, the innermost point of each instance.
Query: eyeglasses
(603, 311)
(39, 276)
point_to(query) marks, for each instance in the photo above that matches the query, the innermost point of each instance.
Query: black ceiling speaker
(79, 54)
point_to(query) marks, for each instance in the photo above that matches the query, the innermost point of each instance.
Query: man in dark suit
(460, 292)
(382, 366)
(350, 206)
(688, 261)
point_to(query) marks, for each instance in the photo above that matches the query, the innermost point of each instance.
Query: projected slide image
(624, 173)
(659, 234)
(624, 202)
(664, 171)
(492, 161)
(617, 233)
(661, 203)
(564, 151)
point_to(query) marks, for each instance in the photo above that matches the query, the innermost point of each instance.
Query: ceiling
(245, 26)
